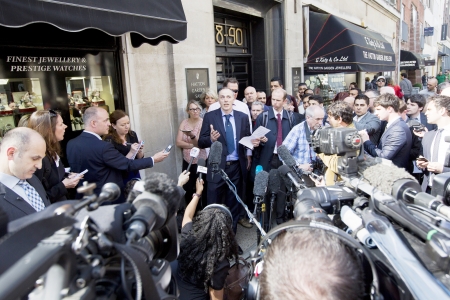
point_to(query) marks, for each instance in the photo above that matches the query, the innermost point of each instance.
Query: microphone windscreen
(274, 181)
(215, 155)
(201, 162)
(160, 184)
(258, 169)
(383, 176)
(260, 186)
(286, 156)
(283, 171)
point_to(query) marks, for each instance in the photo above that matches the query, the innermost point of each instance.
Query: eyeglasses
(194, 109)
(235, 91)
(52, 113)
(381, 80)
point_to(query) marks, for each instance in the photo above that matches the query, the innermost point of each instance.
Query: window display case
(18, 97)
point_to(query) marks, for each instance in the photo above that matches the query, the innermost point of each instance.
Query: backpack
(237, 280)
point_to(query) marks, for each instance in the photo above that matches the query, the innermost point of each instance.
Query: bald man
(21, 153)
(431, 88)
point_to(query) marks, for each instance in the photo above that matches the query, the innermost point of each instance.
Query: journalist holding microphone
(187, 140)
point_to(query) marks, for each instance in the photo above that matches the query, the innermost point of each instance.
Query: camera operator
(21, 192)
(207, 244)
(310, 264)
(340, 114)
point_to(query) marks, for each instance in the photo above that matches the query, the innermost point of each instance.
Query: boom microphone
(288, 176)
(260, 188)
(193, 154)
(215, 156)
(153, 207)
(289, 160)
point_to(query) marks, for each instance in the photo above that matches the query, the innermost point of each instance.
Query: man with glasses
(298, 139)
(233, 85)
(381, 81)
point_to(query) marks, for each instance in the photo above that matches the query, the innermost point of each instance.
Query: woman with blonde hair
(207, 98)
(50, 125)
(187, 139)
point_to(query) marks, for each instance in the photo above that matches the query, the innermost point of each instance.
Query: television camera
(82, 250)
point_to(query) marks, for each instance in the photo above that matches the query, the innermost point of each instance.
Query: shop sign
(45, 63)
(197, 82)
(430, 62)
(296, 79)
(428, 31)
(410, 63)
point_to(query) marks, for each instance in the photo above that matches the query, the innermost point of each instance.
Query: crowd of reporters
(409, 132)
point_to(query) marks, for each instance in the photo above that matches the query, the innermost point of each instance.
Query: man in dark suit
(227, 126)
(416, 104)
(21, 192)
(279, 123)
(277, 83)
(103, 162)
(395, 143)
(364, 119)
(433, 142)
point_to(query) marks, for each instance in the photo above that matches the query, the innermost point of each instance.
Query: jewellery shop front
(66, 55)
(338, 50)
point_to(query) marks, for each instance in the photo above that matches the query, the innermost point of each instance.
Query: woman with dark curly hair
(207, 244)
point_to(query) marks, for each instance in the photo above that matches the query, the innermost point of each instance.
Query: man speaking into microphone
(226, 126)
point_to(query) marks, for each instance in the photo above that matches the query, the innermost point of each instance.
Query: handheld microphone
(153, 207)
(288, 177)
(215, 157)
(194, 153)
(201, 169)
(260, 188)
(289, 160)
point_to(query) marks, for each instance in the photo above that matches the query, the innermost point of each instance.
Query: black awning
(150, 21)
(410, 60)
(336, 46)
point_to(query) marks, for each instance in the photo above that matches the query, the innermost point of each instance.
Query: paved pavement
(246, 238)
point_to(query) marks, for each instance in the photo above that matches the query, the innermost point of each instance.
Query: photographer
(207, 244)
(340, 114)
(310, 264)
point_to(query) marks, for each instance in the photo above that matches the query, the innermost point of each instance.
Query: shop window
(329, 85)
(84, 92)
(18, 97)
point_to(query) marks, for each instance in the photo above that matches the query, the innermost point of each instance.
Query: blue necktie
(230, 135)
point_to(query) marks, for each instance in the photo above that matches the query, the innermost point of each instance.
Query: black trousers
(220, 192)
(189, 187)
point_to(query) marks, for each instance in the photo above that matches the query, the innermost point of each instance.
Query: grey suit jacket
(427, 141)
(372, 124)
(15, 206)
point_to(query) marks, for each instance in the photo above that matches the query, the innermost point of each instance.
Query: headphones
(253, 292)
(221, 207)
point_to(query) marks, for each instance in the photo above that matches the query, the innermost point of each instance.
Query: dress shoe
(245, 223)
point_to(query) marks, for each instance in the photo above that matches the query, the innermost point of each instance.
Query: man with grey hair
(442, 86)
(299, 137)
(103, 162)
(21, 192)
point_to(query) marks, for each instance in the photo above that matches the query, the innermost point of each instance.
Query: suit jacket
(103, 162)
(427, 141)
(424, 121)
(14, 205)
(297, 118)
(266, 149)
(242, 129)
(395, 144)
(372, 124)
(51, 177)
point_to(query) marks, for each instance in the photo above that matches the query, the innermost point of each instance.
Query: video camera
(403, 222)
(79, 249)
